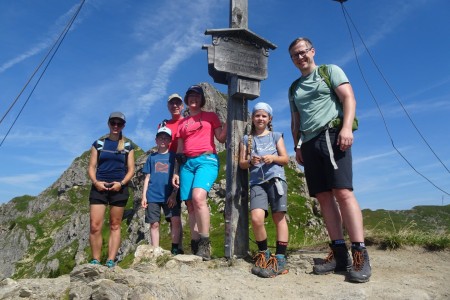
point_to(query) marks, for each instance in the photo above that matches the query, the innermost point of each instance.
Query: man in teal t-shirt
(325, 153)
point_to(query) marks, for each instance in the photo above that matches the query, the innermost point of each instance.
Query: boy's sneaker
(275, 266)
(261, 260)
(338, 260)
(194, 246)
(204, 248)
(110, 263)
(361, 269)
(94, 262)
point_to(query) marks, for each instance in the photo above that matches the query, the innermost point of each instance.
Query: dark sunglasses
(118, 124)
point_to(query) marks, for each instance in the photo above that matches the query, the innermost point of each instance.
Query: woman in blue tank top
(111, 167)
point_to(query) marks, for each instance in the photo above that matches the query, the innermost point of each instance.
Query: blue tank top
(111, 165)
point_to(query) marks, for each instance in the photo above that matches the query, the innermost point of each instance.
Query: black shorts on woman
(111, 198)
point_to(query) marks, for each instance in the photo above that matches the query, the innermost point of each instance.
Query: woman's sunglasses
(118, 124)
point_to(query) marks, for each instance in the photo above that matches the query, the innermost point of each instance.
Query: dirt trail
(411, 273)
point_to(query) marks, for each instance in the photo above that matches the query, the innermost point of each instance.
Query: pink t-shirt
(173, 126)
(197, 133)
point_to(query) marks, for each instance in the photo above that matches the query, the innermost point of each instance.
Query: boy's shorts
(261, 195)
(153, 211)
(198, 172)
(111, 198)
(319, 171)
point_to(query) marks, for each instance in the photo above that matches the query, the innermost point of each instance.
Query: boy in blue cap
(158, 191)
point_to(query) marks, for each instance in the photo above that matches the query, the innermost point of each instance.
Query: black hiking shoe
(275, 266)
(361, 269)
(261, 260)
(177, 251)
(194, 246)
(204, 249)
(338, 260)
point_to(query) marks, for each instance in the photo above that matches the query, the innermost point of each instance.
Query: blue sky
(130, 55)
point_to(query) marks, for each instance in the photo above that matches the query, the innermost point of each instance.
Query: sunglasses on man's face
(118, 124)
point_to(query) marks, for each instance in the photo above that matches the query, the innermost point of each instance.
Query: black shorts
(111, 198)
(319, 171)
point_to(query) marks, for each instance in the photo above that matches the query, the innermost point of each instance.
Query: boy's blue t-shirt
(111, 165)
(160, 167)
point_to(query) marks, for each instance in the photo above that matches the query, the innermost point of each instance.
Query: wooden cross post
(238, 58)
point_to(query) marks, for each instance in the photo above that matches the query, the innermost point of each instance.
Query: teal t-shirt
(315, 102)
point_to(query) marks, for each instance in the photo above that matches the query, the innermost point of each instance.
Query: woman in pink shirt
(197, 166)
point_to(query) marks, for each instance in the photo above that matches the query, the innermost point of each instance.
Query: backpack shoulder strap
(100, 144)
(127, 147)
(323, 72)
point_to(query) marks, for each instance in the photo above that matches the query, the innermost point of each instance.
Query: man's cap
(117, 115)
(174, 96)
(263, 106)
(164, 129)
(195, 89)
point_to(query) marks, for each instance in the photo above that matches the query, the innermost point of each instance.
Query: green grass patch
(66, 258)
(21, 203)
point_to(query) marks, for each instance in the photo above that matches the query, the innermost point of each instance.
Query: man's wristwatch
(122, 184)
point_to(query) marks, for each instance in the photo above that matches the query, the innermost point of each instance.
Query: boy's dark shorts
(111, 198)
(319, 172)
(153, 211)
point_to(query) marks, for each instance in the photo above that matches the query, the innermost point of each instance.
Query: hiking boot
(204, 248)
(361, 269)
(110, 263)
(194, 246)
(275, 266)
(94, 262)
(261, 260)
(338, 260)
(177, 251)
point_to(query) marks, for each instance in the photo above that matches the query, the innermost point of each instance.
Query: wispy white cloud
(370, 158)
(44, 44)
(173, 48)
(29, 179)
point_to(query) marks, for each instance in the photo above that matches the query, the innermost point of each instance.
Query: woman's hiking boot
(261, 260)
(361, 269)
(275, 266)
(338, 260)
(204, 248)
